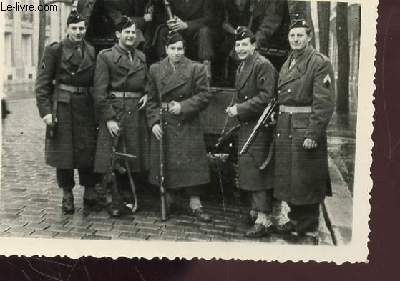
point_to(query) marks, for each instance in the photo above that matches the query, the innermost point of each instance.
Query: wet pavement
(30, 202)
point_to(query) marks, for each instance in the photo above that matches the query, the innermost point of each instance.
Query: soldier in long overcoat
(181, 85)
(119, 95)
(306, 96)
(70, 64)
(256, 84)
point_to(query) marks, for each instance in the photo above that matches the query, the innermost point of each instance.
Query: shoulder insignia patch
(327, 81)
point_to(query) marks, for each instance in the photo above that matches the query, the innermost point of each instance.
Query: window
(8, 49)
(27, 50)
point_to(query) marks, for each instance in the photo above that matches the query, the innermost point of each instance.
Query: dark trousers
(87, 178)
(261, 201)
(305, 216)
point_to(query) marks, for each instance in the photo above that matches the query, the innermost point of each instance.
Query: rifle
(170, 15)
(263, 121)
(226, 135)
(162, 163)
(110, 177)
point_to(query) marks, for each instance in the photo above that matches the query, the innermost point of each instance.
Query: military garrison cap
(174, 37)
(125, 22)
(243, 32)
(74, 17)
(299, 23)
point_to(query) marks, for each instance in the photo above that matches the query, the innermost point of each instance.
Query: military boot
(90, 199)
(68, 202)
(261, 227)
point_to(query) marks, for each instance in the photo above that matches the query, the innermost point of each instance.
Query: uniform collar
(71, 44)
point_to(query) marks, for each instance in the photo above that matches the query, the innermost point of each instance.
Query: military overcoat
(256, 86)
(185, 151)
(302, 176)
(115, 72)
(70, 64)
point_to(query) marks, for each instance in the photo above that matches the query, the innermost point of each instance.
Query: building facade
(21, 41)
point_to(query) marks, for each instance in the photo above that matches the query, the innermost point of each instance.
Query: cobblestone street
(30, 203)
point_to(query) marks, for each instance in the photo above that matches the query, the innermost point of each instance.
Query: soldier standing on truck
(191, 19)
(256, 85)
(267, 19)
(66, 107)
(119, 85)
(179, 85)
(306, 95)
(115, 10)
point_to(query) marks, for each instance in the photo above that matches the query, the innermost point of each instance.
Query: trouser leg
(306, 217)
(116, 193)
(261, 210)
(65, 180)
(261, 207)
(194, 193)
(195, 205)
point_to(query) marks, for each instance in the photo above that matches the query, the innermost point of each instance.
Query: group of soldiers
(95, 107)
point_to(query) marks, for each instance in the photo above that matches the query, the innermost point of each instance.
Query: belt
(73, 89)
(115, 94)
(295, 109)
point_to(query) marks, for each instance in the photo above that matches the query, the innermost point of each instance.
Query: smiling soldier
(119, 85)
(181, 86)
(67, 109)
(306, 96)
(255, 83)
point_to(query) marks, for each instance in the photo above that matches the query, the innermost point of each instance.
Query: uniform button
(279, 91)
(246, 123)
(289, 90)
(280, 112)
(73, 73)
(245, 97)
(278, 134)
(130, 112)
(290, 136)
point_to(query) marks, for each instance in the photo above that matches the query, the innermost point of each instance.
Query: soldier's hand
(309, 144)
(113, 128)
(148, 17)
(174, 108)
(157, 131)
(48, 119)
(232, 111)
(142, 102)
(177, 25)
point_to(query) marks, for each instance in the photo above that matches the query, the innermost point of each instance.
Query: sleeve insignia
(327, 81)
(43, 66)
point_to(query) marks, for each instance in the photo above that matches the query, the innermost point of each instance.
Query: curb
(338, 209)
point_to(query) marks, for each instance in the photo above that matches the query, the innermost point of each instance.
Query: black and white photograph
(233, 129)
